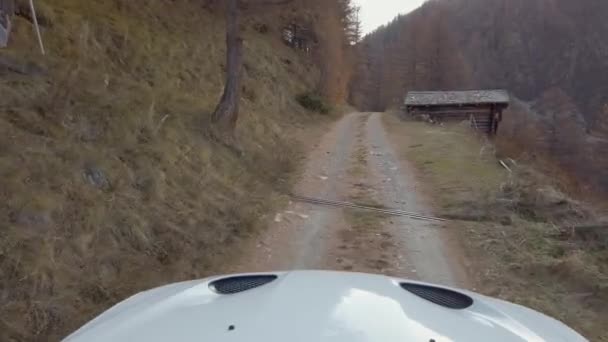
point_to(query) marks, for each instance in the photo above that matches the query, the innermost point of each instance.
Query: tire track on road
(355, 162)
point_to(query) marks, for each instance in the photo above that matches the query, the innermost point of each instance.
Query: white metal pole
(35, 19)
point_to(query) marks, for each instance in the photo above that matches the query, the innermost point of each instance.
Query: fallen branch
(505, 166)
(504, 220)
(592, 227)
(584, 231)
(469, 218)
(160, 124)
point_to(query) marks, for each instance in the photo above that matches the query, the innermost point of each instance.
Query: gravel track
(304, 236)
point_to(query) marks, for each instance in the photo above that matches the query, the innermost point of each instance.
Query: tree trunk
(226, 113)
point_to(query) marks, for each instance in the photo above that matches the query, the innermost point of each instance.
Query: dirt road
(355, 161)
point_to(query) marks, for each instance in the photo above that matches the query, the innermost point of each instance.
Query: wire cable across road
(387, 211)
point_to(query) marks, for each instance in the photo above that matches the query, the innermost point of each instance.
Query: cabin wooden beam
(487, 116)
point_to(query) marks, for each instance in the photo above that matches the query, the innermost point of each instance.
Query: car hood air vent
(440, 296)
(236, 284)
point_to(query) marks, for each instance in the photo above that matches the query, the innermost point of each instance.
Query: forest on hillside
(549, 54)
(325, 30)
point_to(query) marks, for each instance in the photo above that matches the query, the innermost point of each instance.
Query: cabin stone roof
(469, 97)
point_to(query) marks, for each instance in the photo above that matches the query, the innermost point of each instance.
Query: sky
(379, 12)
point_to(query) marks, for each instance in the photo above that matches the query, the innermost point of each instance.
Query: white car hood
(311, 306)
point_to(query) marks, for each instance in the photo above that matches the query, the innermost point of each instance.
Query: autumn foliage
(326, 29)
(414, 52)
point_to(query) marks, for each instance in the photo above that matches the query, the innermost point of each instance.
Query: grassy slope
(527, 262)
(107, 183)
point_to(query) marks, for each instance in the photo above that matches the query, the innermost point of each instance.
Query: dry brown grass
(575, 161)
(528, 259)
(108, 184)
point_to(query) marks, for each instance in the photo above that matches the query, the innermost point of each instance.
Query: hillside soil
(356, 162)
(111, 179)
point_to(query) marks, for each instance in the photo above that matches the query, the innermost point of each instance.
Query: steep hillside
(551, 54)
(109, 183)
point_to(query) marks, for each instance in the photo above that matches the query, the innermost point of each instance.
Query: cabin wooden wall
(482, 117)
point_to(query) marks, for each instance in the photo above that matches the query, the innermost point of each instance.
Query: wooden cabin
(482, 108)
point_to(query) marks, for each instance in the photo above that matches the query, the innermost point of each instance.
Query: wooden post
(498, 120)
(491, 128)
(37, 28)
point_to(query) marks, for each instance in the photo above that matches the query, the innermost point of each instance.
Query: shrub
(313, 102)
